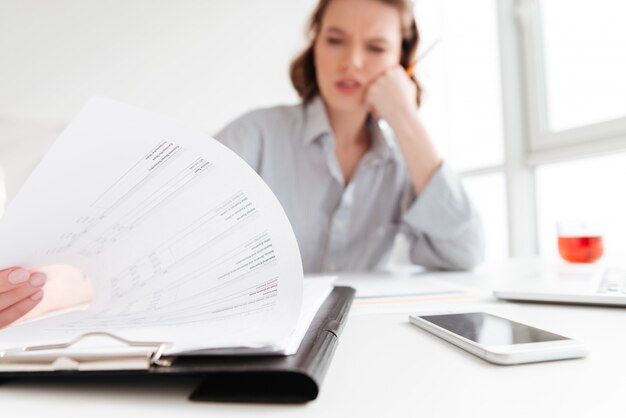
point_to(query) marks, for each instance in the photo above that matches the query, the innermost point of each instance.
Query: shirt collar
(316, 124)
(315, 120)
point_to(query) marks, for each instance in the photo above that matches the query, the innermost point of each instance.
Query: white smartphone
(499, 340)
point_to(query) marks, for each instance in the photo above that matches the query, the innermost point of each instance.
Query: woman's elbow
(462, 253)
(470, 253)
(467, 261)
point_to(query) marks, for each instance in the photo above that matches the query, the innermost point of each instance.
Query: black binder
(236, 378)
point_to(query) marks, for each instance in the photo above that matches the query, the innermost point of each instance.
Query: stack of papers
(184, 241)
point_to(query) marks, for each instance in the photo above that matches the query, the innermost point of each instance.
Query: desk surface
(384, 366)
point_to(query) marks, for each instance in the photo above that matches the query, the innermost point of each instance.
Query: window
(460, 74)
(521, 124)
(575, 66)
(589, 190)
(488, 192)
(459, 68)
(585, 61)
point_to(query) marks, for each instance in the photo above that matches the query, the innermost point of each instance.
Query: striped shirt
(343, 227)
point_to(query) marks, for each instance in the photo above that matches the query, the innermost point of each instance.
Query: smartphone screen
(491, 330)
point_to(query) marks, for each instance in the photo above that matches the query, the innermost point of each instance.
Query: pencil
(411, 67)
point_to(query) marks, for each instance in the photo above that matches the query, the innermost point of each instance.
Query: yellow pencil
(411, 67)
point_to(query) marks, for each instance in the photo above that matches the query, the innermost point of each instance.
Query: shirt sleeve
(243, 136)
(443, 226)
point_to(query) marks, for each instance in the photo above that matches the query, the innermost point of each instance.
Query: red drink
(580, 249)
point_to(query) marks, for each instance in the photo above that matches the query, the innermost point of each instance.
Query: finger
(19, 309)
(390, 72)
(20, 292)
(14, 276)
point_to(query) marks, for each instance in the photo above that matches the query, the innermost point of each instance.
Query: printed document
(185, 243)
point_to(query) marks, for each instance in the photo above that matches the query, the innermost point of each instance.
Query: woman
(348, 184)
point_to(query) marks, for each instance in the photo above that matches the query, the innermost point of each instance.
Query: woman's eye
(334, 41)
(376, 49)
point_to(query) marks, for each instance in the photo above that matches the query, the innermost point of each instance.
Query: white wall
(201, 61)
(3, 192)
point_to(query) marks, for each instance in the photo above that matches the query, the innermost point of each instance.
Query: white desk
(385, 367)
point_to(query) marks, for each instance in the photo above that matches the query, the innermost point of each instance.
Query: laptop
(571, 283)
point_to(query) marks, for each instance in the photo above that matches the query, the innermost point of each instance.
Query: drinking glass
(579, 241)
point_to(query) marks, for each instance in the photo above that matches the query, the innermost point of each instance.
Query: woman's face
(358, 41)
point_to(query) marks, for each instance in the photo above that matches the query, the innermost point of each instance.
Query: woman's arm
(443, 226)
(392, 96)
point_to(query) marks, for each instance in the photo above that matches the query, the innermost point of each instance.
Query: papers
(185, 243)
(390, 293)
(314, 295)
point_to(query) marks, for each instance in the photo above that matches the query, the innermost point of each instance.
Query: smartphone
(499, 340)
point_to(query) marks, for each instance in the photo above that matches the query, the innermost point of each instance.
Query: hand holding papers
(185, 243)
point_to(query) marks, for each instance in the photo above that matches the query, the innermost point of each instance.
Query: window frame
(546, 145)
(519, 174)
(528, 142)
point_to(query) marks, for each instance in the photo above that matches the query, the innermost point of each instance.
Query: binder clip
(42, 357)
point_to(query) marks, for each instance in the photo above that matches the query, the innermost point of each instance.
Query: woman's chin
(345, 104)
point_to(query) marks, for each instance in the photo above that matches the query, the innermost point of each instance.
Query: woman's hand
(20, 291)
(392, 96)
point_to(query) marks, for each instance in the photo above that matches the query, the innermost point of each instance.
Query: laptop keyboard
(613, 282)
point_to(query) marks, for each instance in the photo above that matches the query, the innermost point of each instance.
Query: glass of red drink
(579, 242)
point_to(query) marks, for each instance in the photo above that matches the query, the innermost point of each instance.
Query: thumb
(12, 277)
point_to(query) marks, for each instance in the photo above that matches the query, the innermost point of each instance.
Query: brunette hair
(302, 69)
